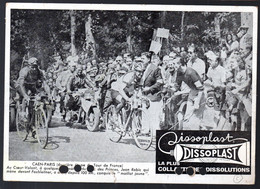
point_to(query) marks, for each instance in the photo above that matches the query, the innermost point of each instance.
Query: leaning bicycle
(38, 114)
(130, 121)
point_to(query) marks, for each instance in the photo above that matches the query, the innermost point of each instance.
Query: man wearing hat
(32, 79)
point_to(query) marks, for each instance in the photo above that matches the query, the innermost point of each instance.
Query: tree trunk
(72, 32)
(217, 26)
(182, 25)
(247, 19)
(90, 41)
(163, 17)
(129, 36)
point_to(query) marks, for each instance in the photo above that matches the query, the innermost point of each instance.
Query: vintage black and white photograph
(97, 85)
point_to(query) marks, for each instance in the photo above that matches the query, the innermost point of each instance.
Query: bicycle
(129, 122)
(38, 111)
(178, 114)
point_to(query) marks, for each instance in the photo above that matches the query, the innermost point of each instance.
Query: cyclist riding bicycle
(123, 89)
(31, 82)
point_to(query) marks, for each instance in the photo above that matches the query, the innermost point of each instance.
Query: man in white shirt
(216, 73)
(215, 86)
(196, 63)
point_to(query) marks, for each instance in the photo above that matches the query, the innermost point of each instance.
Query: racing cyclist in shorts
(123, 88)
(31, 81)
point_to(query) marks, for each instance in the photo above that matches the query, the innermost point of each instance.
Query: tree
(72, 31)
(90, 41)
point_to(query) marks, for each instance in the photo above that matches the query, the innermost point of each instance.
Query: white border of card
(148, 169)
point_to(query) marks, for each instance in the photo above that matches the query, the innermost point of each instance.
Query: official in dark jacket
(152, 83)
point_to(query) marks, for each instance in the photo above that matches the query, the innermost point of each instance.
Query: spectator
(152, 83)
(196, 63)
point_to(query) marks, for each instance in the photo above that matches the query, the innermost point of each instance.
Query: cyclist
(193, 80)
(125, 86)
(31, 81)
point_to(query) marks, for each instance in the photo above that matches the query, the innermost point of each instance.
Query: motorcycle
(89, 110)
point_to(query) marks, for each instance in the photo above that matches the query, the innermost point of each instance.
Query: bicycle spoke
(41, 127)
(143, 136)
(21, 126)
(112, 128)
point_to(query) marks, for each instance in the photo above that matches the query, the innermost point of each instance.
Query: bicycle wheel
(143, 136)
(113, 129)
(21, 125)
(179, 116)
(41, 124)
(93, 119)
(12, 118)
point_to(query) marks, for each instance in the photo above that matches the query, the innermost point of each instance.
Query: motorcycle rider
(61, 84)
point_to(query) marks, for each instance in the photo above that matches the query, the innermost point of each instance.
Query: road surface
(78, 144)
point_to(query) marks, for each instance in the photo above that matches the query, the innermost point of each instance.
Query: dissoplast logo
(198, 149)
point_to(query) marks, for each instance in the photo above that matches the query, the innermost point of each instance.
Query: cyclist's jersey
(30, 78)
(127, 83)
(190, 77)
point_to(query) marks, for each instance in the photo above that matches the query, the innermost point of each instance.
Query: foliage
(44, 33)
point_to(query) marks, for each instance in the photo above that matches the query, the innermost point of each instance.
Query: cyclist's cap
(32, 61)
(123, 70)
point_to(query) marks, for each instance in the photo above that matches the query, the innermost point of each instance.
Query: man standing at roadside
(152, 83)
(196, 63)
(61, 84)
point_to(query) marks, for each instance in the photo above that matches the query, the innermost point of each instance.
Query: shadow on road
(52, 146)
(59, 139)
(55, 140)
(56, 122)
(131, 141)
(128, 141)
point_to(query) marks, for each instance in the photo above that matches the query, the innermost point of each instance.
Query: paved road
(74, 144)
